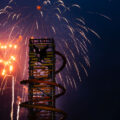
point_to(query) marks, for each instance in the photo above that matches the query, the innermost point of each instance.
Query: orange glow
(5, 46)
(3, 72)
(10, 45)
(13, 58)
(38, 7)
(1, 61)
(20, 37)
(11, 68)
(9, 62)
(6, 63)
(32, 37)
(15, 46)
(19, 98)
(2, 47)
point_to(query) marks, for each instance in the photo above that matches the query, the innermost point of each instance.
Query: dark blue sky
(98, 96)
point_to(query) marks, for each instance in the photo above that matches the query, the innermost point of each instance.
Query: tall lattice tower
(42, 84)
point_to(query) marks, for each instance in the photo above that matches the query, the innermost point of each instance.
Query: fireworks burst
(7, 61)
(50, 18)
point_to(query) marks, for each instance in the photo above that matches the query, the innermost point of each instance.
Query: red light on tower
(38, 7)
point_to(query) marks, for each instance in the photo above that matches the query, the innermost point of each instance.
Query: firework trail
(12, 104)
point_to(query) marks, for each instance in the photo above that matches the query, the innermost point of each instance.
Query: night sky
(97, 97)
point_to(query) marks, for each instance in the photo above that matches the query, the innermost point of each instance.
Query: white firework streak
(12, 103)
(18, 110)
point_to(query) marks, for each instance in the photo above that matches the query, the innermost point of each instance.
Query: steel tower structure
(41, 83)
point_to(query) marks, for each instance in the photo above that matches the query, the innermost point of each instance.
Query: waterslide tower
(42, 81)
